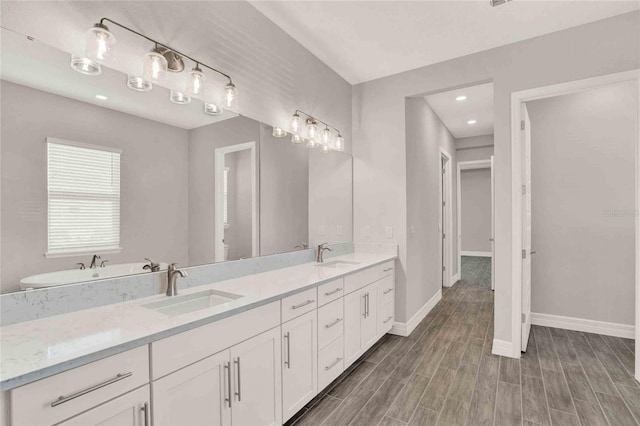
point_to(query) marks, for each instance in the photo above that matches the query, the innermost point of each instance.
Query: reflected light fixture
(195, 86)
(154, 67)
(138, 84)
(296, 139)
(85, 66)
(101, 97)
(330, 139)
(311, 143)
(100, 43)
(179, 98)
(312, 129)
(296, 123)
(231, 95)
(326, 137)
(212, 109)
(339, 143)
(278, 132)
(461, 98)
(471, 122)
(325, 149)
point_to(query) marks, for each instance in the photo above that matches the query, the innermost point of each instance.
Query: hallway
(444, 373)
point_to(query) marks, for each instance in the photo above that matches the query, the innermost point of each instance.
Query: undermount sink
(338, 264)
(179, 305)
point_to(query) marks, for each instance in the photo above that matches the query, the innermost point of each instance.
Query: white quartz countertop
(33, 350)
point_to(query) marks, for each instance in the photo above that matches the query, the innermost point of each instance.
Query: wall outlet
(389, 231)
(339, 230)
(366, 231)
(321, 230)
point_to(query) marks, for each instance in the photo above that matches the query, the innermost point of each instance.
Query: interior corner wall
(379, 131)
(425, 135)
(474, 148)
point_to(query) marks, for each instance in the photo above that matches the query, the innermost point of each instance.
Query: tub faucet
(172, 275)
(320, 252)
(95, 258)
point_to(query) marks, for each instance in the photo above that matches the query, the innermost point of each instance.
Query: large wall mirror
(98, 178)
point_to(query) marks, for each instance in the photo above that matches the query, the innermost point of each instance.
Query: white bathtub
(70, 276)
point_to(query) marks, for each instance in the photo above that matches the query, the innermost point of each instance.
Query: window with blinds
(83, 184)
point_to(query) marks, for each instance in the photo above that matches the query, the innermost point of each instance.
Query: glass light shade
(312, 129)
(179, 98)
(326, 137)
(154, 67)
(311, 143)
(230, 96)
(326, 149)
(138, 84)
(296, 139)
(212, 109)
(85, 66)
(338, 144)
(100, 43)
(296, 124)
(195, 85)
(278, 132)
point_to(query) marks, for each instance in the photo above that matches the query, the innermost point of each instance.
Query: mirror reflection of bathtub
(70, 276)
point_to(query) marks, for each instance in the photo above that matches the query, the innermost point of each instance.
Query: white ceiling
(455, 114)
(365, 40)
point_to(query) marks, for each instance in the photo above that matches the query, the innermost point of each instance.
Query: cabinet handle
(329, 293)
(287, 338)
(333, 364)
(227, 399)
(145, 408)
(62, 399)
(367, 304)
(364, 306)
(239, 392)
(388, 269)
(300, 305)
(333, 323)
(387, 291)
(387, 320)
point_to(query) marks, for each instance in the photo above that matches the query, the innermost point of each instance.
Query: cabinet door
(196, 395)
(353, 316)
(299, 363)
(257, 380)
(130, 409)
(370, 317)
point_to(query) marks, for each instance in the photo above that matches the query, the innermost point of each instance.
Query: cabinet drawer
(330, 363)
(64, 395)
(330, 322)
(361, 279)
(387, 290)
(299, 304)
(385, 319)
(330, 291)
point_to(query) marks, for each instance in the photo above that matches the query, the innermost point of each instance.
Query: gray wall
(475, 210)
(426, 134)
(474, 148)
(380, 143)
(151, 226)
(583, 171)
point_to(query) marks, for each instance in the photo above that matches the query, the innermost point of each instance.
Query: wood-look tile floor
(444, 373)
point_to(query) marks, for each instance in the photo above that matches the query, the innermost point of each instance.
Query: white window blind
(83, 198)
(225, 213)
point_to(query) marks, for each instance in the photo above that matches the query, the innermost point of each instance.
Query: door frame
(467, 165)
(446, 224)
(517, 99)
(219, 201)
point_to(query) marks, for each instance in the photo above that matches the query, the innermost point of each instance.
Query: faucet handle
(102, 264)
(81, 265)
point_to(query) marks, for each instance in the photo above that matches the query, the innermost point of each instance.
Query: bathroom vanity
(267, 344)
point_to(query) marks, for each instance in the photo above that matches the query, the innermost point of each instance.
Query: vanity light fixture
(325, 139)
(471, 122)
(296, 139)
(195, 86)
(461, 98)
(278, 132)
(85, 66)
(311, 143)
(155, 65)
(138, 84)
(179, 98)
(212, 109)
(339, 143)
(312, 129)
(230, 95)
(100, 43)
(296, 123)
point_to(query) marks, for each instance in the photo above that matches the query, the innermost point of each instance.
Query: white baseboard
(504, 348)
(405, 328)
(454, 279)
(579, 324)
(476, 253)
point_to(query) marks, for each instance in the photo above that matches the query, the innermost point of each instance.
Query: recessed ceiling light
(101, 97)
(471, 122)
(461, 98)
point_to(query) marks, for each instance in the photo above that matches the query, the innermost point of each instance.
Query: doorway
(446, 217)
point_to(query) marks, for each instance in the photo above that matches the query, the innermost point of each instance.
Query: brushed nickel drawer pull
(300, 305)
(62, 399)
(333, 364)
(227, 398)
(388, 269)
(329, 293)
(387, 320)
(387, 291)
(333, 323)
(145, 408)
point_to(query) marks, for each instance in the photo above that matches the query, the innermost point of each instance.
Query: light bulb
(179, 98)
(312, 129)
(326, 137)
(100, 43)
(230, 96)
(138, 84)
(339, 143)
(296, 124)
(278, 132)
(154, 67)
(296, 139)
(195, 86)
(85, 66)
(212, 109)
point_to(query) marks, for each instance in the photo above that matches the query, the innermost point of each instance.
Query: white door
(493, 227)
(257, 379)
(196, 395)
(444, 218)
(299, 363)
(131, 409)
(353, 314)
(370, 317)
(526, 227)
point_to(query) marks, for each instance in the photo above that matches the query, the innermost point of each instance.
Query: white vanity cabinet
(360, 322)
(131, 409)
(299, 363)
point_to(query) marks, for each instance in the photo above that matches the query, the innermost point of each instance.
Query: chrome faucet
(93, 261)
(152, 266)
(302, 246)
(172, 275)
(320, 252)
